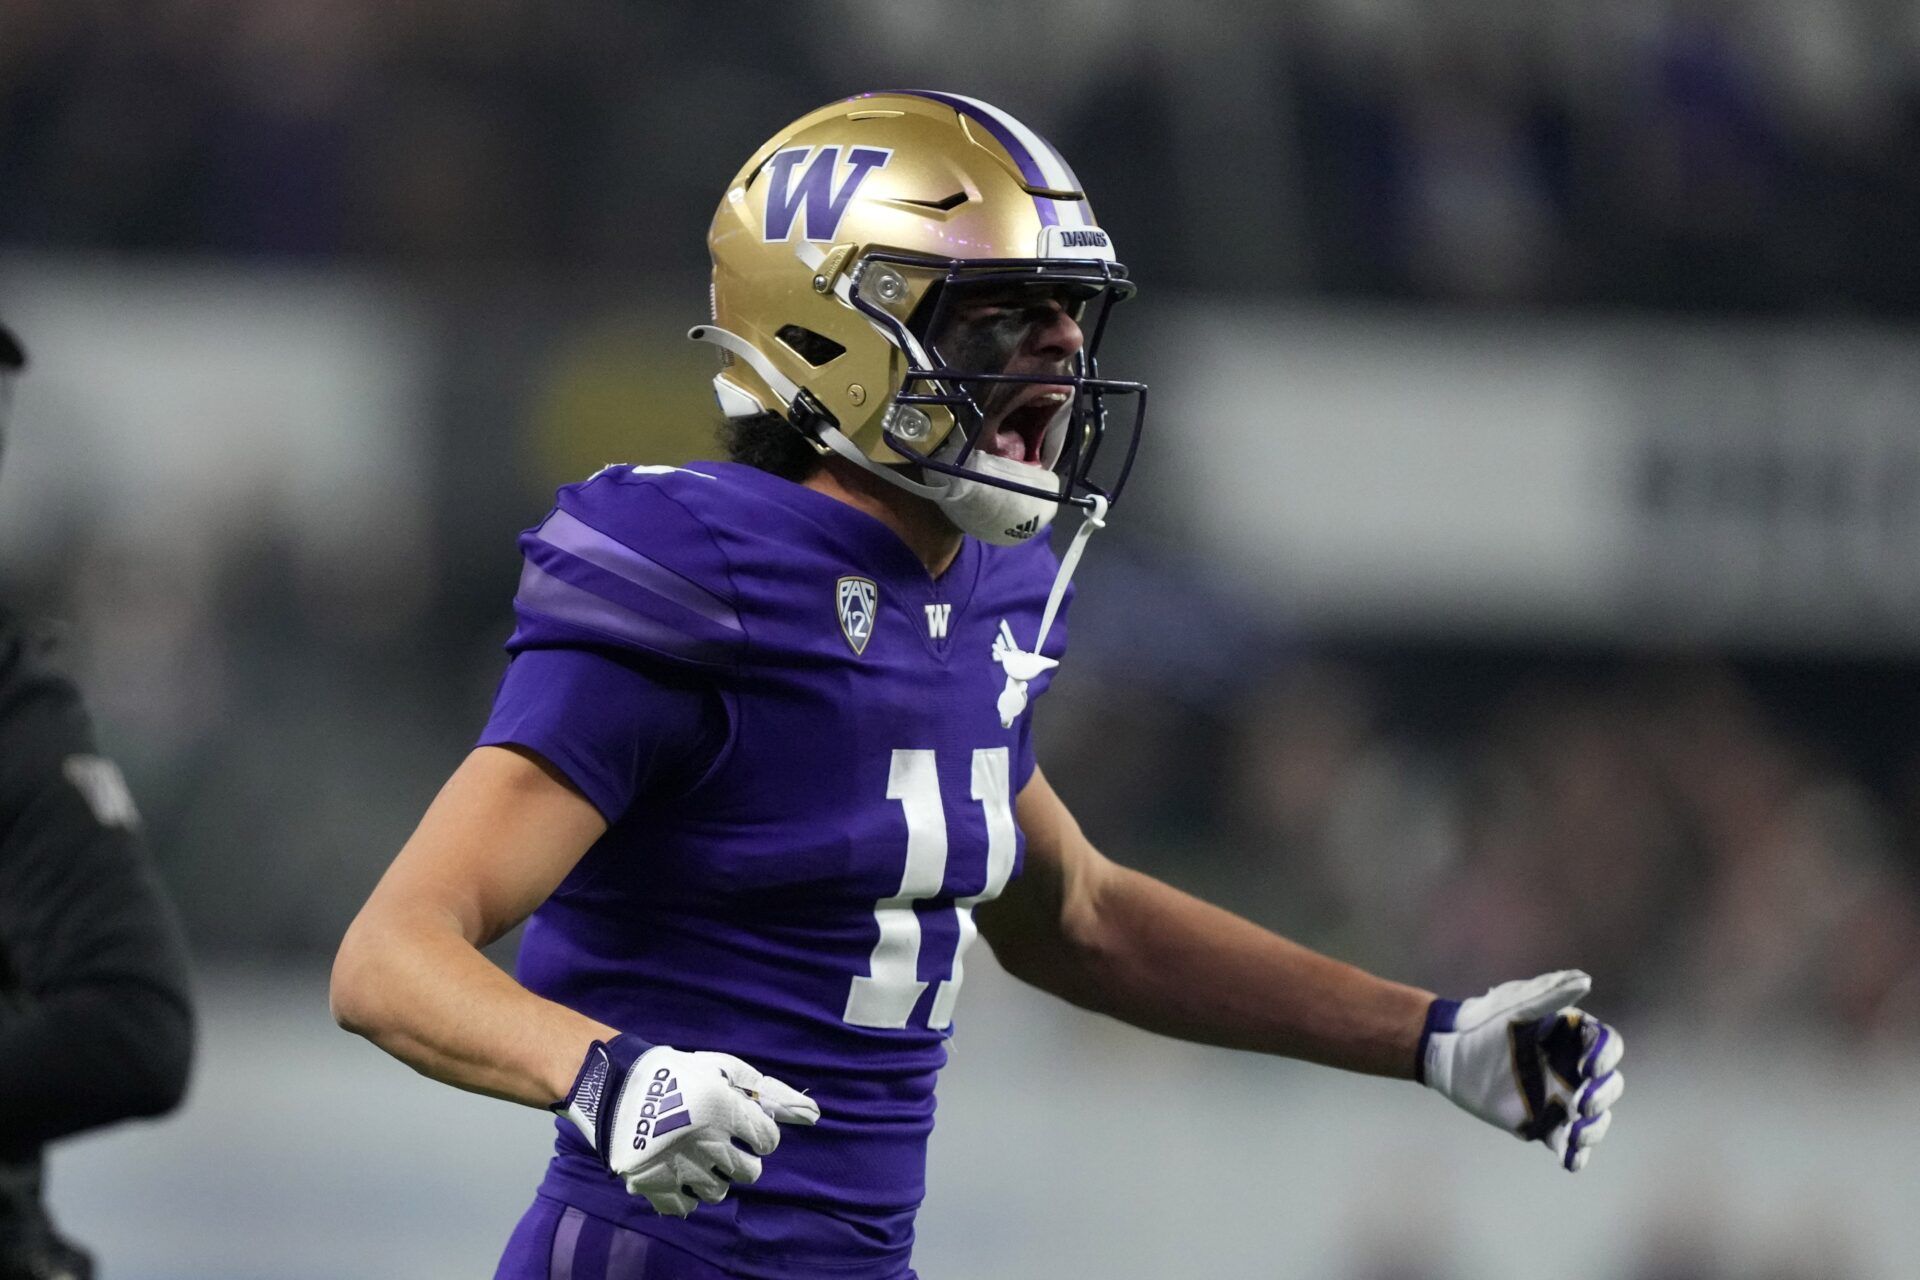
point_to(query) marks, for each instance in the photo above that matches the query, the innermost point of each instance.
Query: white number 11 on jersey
(885, 998)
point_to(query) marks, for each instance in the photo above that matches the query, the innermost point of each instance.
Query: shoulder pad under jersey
(623, 561)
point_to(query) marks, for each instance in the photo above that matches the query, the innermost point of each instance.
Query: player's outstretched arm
(409, 976)
(1113, 940)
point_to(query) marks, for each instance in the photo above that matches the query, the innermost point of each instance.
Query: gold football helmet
(854, 256)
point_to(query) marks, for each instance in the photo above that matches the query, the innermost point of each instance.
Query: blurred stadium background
(1523, 571)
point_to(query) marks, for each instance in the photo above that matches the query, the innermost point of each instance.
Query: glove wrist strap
(1441, 1015)
(595, 1095)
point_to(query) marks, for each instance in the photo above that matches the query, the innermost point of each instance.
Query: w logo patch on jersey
(859, 603)
(812, 194)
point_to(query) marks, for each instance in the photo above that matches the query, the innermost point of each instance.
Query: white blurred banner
(1558, 477)
(176, 405)
(1627, 479)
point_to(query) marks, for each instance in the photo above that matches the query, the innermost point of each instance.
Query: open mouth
(1019, 431)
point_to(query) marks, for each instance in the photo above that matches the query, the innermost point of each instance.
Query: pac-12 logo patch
(800, 184)
(859, 602)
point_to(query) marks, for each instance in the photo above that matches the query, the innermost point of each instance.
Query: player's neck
(917, 522)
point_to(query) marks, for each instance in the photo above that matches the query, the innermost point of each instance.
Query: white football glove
(666, 1122)
(1523, 1059)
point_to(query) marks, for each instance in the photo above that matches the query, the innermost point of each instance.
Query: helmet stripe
(1040, 165)
(1053, 166)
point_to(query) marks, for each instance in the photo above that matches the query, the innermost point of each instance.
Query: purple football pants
(556, 1241)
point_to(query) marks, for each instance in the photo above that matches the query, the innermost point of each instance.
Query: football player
(762, 761)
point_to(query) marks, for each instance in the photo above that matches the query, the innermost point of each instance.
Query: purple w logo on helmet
(813, 193)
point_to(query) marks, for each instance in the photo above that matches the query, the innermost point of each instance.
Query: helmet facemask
(1000, 439)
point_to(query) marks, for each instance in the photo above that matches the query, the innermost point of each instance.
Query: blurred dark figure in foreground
(95, 1024)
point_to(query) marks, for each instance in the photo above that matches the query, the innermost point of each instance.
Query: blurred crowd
(1675, 153)
(1684, 154)
(1656, 826)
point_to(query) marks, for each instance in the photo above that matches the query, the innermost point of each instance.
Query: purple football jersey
(802, 898)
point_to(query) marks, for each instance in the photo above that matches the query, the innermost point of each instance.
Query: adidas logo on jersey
(663, 1111)
(938, 616)
(1025, 529)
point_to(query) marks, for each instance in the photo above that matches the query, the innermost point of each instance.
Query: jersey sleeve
(622, 563)
(615, 727)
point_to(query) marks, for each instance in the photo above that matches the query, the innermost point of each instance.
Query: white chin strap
(982, 509)
(1022, 665)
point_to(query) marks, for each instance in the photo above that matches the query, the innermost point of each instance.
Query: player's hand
(1523, 1059)
(671, 1125)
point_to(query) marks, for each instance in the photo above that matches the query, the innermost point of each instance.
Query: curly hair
(772, 444)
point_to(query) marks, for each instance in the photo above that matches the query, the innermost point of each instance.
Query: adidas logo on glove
(701, 1124)
(657, 1114)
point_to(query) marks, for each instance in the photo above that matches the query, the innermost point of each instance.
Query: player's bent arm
(1116, 941)
(503, 832)
(409, 976)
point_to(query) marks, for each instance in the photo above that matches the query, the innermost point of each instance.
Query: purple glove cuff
(595, 1095)
(1440, 1018)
